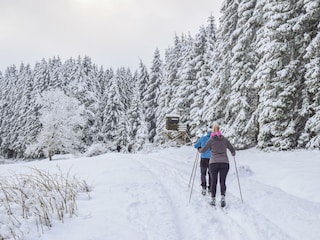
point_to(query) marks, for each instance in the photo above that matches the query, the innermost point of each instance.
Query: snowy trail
(145, 197)
(152, 212)
(132, 198)
(237, 222)
(267, 213)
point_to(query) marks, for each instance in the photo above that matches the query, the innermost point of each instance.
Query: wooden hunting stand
(176, 131)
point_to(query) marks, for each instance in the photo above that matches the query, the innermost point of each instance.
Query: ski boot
(223, 201)
(203, 192)
(213, 201)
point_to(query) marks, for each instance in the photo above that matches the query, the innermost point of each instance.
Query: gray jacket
(218, 146)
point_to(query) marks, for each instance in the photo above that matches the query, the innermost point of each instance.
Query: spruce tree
(173, 61)
(10, 104)
(152, 94)
(220, 82)
(278, 76)
(41, 76)
(310, 23)
(113, 114)
(28, 114)
(210, 67)
(138, 132)
(201, 50)
(143, 80)
(103, 77)
(186, 81)
(241, 124)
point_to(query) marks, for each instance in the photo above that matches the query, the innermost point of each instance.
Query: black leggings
(204, 169)
(221, 169)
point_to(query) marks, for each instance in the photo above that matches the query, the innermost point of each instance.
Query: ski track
(237, 222)
(153, 217)
(287, 211)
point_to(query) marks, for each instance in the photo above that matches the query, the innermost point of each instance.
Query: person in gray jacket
(219, 162)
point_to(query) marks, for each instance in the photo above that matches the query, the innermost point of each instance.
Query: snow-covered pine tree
(27, 114)
(312, 128)
(211, 51)
(84, 85)
(143, 80)
(185, 82)
(310, 23)
(278, 75)
(220, 81)
(41, 77)
(55, 72)
(203, 74)
(211, 35)
(113, 114)
(9, 110)
(104, 79)
(138, 131)
(15, 125)
(241, 124)
(32, 124)
(126, 85)
(173, 61)
(152, 94)
(161, 115)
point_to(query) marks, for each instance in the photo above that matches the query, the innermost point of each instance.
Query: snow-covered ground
(146, 197)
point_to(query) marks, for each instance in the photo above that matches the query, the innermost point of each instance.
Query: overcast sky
(113, 33)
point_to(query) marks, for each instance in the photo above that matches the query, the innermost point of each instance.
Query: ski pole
(194, 164)
(194, 176)
(238, 177)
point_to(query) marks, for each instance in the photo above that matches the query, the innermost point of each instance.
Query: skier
(219, 162)
(204, 162)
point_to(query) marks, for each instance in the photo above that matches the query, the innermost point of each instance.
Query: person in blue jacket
(204, 162)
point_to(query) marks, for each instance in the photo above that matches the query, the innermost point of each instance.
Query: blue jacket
(201, 143)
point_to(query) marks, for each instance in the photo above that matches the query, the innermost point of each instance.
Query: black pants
(220, 169)
(204, 168)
